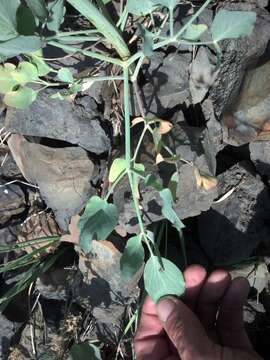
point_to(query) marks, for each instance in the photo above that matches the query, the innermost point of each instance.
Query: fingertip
(194, 275)
(149, 307)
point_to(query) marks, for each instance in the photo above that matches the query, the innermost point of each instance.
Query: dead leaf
(137, 120)
(159, 159)
(164, 127)
(205, 181)
(74, 233)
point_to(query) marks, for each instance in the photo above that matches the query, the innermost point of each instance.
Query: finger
(183, 328)
(194, 276)
(230, 324)
(150, 340)
(210, 296)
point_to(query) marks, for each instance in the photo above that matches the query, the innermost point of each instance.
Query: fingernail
(164, 309)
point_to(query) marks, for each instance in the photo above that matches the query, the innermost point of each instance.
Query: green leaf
(140, 7)
(148, 40)
(194, 32)
(168, 211)
(132, 258)
(65, 75)
(84, 351)
(232, 24)
(26, 24)
(162, 280)
(8, 21)
(20, 45)
(6, 80)
(97, 222)
(56, 15)
(21, 98)
(38, 8)
(25, 72)
(36, 59)
(151, 180)
(75, 88)
(173, 185)
(118, 167)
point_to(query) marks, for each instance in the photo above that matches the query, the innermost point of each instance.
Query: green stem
(71, 33)
(102, 78)
(127, 116)
(139, 144)
(103, 25)
(94, 55)
(137, 68)
(171, 21)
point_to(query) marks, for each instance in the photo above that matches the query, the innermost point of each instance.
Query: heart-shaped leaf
(97, 222)
(194, 32)
(21, 98)
(36, 59)
(26, 24)
(132, 258)
(20, 45)
(162, 279)
(118, 167)
(168, 211)
(38, 8)
(8, 20)
(6, 80)
(25, 72)
(84, 351)
(232, 24)
(65, 75)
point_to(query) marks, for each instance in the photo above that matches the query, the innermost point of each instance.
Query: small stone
(8, 331)
(260, 156)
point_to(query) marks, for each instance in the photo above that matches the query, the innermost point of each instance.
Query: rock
(203, 72)
(260, 156)
(77, 123)
(238, 56)
(62, 174)
(9, 330)
(166, 83)
(101, 286)
(12, 203)
(238, 222)
(248, 118)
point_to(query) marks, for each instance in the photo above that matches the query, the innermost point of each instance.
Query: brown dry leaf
(159, 159)
(205, 181)
(137, 120)
(38, 225)
(164, 127)
(74, 233)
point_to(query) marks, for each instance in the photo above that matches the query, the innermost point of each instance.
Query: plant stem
(171, 21)
(102, 78)
(127, 116)
(71, 33)
(137, 68)
(120, 177)
(103, 25)
(92, 54)
(139, 143)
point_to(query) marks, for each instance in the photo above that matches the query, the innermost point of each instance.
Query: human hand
(208, 325)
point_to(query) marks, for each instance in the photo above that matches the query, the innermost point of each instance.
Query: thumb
(184, 329)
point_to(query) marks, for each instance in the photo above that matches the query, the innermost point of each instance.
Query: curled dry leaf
(74, 233)
(205, 181)
(159, 159)
(137, 120)
(164, 126)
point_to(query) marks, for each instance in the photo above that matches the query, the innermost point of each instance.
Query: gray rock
(77, 123)
(100, 286)
(233, 228)
(238, 55)
(62, 174)
(8, 331)
(260, 156)
(167, 83)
